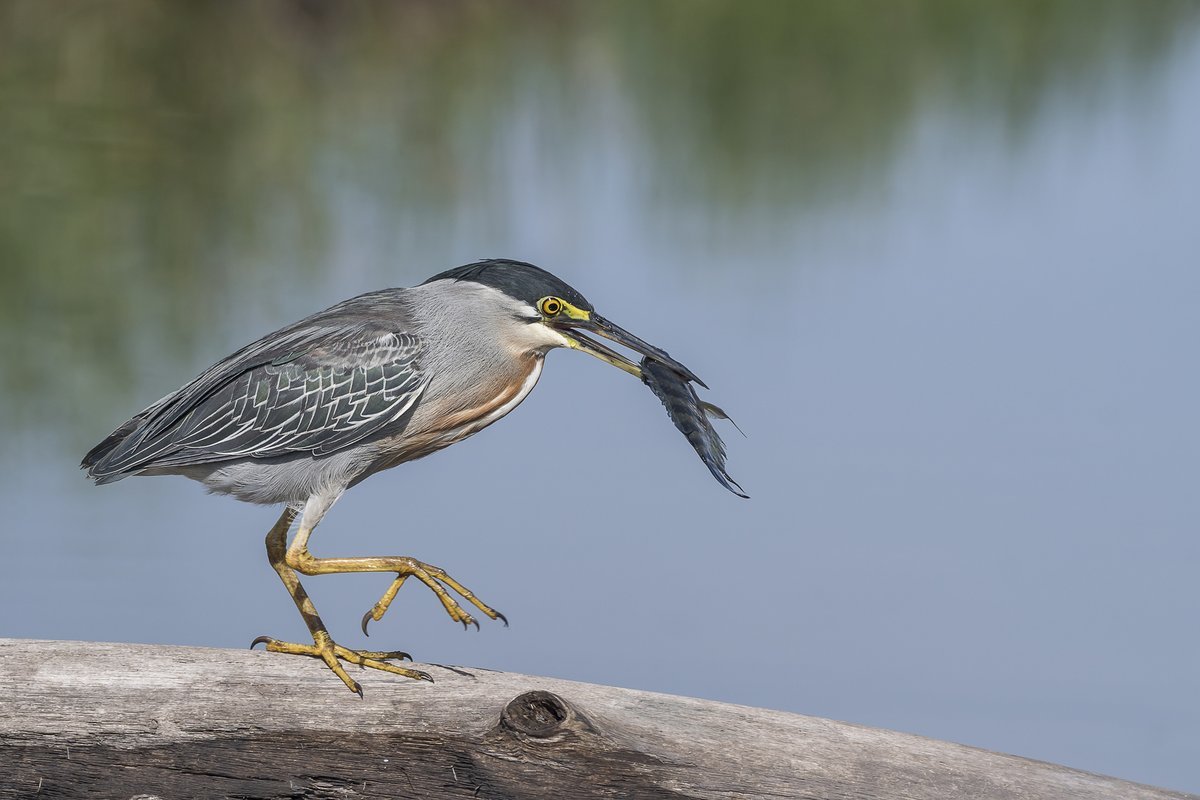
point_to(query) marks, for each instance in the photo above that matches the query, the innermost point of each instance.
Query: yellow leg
(323, 647)
(299, 559)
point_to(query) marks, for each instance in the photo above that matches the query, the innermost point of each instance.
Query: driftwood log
(135, 721)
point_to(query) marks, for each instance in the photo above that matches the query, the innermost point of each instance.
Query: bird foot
(434, 578)
(324, 648)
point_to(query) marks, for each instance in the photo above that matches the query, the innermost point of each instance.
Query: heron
(310, 410)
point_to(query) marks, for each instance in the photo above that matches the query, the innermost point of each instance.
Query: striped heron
(308, 411)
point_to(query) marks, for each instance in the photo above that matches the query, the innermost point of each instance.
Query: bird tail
(96, 462)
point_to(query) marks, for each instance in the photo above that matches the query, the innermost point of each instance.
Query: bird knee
(301, 560)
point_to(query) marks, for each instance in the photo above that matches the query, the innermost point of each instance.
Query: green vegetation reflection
(157, 160)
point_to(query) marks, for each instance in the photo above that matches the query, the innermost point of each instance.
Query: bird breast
(444, 418)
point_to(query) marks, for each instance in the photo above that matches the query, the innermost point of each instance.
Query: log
(81, 719)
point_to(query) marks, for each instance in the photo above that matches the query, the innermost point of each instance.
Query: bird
(308, 411)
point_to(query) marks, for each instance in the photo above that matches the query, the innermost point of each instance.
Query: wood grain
(136, 721)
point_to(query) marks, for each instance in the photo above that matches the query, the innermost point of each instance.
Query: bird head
(563, 316)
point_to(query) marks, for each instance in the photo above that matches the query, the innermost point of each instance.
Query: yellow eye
(551, 306)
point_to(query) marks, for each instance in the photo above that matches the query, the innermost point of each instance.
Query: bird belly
(289, 479)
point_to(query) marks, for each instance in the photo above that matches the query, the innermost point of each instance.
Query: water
(938, 262)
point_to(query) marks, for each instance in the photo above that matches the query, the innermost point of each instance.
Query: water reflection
(167, 170)
(933, 256)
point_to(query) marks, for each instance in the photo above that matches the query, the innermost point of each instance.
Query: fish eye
(550, 306)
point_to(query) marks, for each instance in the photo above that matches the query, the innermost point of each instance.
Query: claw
(332, 654)
(500, 617)
(397, 655)
(441, 584)
(261, 640)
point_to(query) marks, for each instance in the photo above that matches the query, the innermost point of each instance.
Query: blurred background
(938, 259)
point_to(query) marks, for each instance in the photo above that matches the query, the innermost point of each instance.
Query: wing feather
(315, 389)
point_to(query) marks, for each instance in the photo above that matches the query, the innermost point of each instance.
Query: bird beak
(573, 325)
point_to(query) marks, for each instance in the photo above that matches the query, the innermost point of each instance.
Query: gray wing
(319, 402)
(315, 388)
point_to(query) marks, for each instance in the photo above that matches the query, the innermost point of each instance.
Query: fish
(692, 416)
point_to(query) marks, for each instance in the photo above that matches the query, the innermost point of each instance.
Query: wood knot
(541, 715)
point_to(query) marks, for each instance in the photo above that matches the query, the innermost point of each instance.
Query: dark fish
(691, 416)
